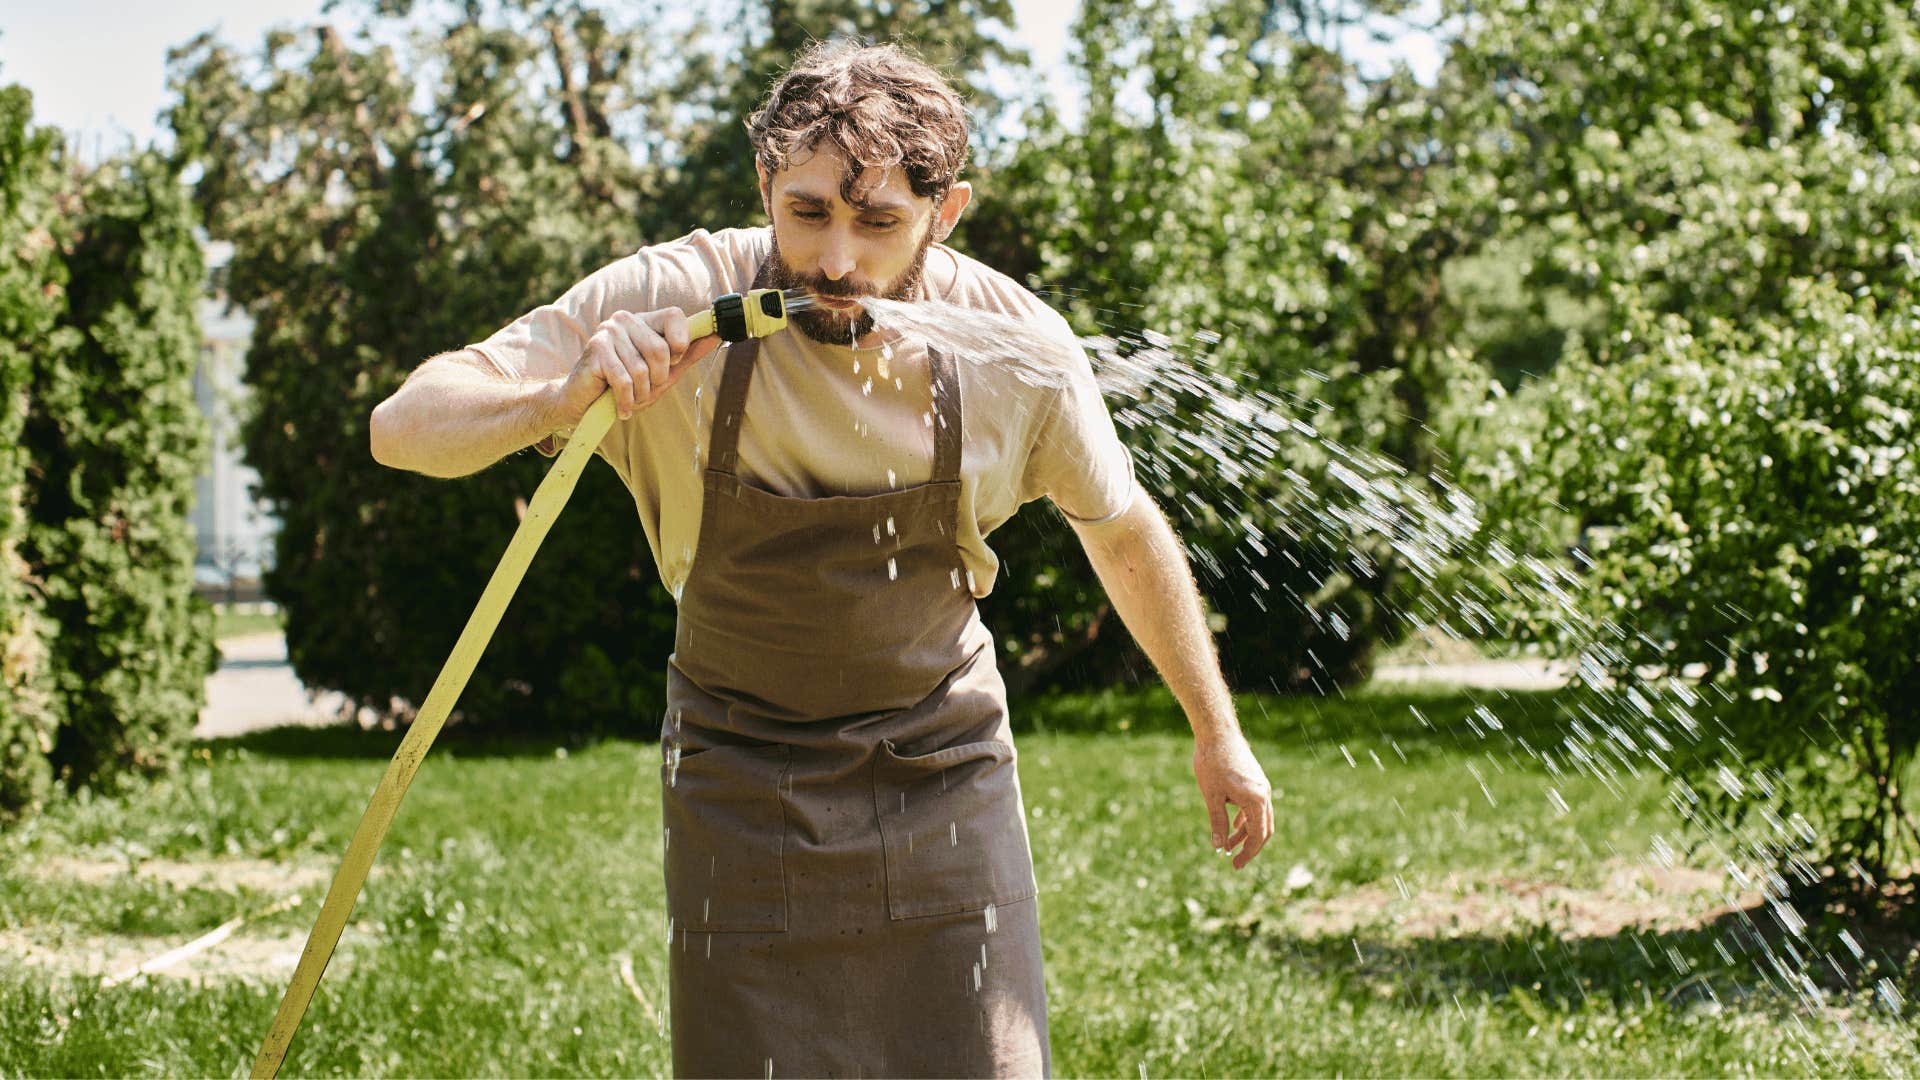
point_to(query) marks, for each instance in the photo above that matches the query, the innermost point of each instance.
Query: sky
(97, 68)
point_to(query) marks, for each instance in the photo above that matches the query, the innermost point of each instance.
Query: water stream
(1225, 454)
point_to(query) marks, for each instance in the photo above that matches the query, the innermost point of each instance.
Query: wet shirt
(824, 419)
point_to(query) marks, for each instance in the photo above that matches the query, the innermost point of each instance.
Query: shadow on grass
(1433, 720)
(348, 742)
(1430, 719)
(1739, 955)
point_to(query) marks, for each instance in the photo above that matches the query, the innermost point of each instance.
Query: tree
(1235, 178)
(389, 202)
(32, 278)
(1733, 187)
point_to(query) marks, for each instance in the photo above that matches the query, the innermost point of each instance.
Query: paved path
(255, 688)
(1526, 674)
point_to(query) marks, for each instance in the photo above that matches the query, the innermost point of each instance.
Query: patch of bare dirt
(244, 955)
(1644, 897)
(222, 875)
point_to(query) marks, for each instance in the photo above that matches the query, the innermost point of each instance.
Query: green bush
(104, 650)
(1752, 503)
(377, 222)
(437, 232)
(31, 277)
(116, 440)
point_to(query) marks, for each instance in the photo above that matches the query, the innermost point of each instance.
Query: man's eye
(809, 215)
(882, 226)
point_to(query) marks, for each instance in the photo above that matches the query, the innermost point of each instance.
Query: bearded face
(831, 326)
(850, 242)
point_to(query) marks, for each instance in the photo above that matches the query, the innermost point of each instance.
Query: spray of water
(1228, 453)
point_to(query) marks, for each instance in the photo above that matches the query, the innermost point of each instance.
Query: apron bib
(849, 886)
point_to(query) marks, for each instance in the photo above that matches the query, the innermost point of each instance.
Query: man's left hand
(1228, 772)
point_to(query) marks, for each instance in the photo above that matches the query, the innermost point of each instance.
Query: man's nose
(836, 257)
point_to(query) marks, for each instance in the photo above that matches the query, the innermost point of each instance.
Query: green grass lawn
(520, 877)
(229, 621)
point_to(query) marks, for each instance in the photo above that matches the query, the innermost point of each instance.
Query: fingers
(671, 325)
(1217, 822)
(649, 358)
(603, 359)
(640, 355)
(1256, 828)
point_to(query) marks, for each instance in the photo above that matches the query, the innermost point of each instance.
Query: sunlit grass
(519, 876)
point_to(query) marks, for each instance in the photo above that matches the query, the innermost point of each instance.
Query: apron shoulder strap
(946, 418)
(723, 455)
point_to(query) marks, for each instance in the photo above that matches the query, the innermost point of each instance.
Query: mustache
(844, 289)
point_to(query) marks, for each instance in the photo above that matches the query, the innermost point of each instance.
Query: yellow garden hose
(735, 318)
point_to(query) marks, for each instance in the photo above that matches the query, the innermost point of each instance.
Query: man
(849, 884)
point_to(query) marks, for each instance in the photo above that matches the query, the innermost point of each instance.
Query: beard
(830, 327)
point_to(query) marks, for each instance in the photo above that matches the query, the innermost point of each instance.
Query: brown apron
(849, 887)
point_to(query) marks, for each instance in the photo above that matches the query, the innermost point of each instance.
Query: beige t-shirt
(819, 418)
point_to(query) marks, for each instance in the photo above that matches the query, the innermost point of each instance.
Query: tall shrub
(387, 203)
(31, 277)
(1761, 502)
(115, 440)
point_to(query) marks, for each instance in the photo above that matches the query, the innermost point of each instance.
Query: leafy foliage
(31, 280)
(379, 218)
(1236, 174)
(117, 440)
(1762, 503)
(1735, 188)
(106, 650)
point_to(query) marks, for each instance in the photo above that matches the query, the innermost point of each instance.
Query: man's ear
(766, 188)
(951, 207)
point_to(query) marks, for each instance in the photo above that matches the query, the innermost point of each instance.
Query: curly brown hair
(880, 105)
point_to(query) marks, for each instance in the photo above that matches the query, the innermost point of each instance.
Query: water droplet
(953, 834)
(893, 570)
(890, 531)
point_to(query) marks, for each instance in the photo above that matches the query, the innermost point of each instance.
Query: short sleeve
(546, 342)
(1076, 457)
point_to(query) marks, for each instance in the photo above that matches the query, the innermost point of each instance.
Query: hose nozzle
(756, 314)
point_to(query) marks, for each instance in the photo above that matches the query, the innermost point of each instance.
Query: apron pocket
(725, 836)
(953, 830)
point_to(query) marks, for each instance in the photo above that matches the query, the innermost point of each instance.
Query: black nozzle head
(730, 317)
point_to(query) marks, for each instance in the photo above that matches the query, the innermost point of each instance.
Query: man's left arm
(1146, 575)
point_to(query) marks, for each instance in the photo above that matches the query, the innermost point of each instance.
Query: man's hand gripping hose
(733, 317)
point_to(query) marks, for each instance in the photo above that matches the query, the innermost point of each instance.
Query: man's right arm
(455, 415)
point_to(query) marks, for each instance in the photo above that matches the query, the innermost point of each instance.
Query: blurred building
(232, 531)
